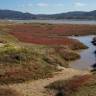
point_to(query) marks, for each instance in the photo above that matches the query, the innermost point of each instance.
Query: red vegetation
(65, 88)
(45, 30)
(27, 37)
(49, 34)
(79, 81)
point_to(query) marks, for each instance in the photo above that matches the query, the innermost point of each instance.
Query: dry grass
(20, 64)
(67, 54)
(73, 86)
(8, 92)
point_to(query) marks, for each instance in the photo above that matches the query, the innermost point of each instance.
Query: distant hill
(9, 14)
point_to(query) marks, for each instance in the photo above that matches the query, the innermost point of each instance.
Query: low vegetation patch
(38, 29)
(48, 34)
(67, 54)
(13, 54)
(77, 45)
(20, 64)
(8, 92)
(77, 86)
(89, 89)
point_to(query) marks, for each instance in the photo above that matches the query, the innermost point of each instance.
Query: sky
(48, 6)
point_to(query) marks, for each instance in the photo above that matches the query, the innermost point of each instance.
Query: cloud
(42, 4)
(79, 4)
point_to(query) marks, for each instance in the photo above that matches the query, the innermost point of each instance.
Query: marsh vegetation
(31, 52)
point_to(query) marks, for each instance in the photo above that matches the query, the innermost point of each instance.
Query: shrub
(22, 73)
(67, 54)
(56, 60)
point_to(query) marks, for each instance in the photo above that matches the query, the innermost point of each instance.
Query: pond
(88, 57)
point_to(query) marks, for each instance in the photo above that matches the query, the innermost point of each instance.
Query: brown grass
(8, 92)
(67, 87)
(22, 64)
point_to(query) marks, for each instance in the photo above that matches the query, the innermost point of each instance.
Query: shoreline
(52, 21)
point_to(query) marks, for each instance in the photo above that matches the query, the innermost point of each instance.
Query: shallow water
(87, 56)
(90, 22)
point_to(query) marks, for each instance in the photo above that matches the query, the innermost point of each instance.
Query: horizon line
(48, 13)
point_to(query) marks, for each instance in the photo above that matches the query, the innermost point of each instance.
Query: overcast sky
(48, 6)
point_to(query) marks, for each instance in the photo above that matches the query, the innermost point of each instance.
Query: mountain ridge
(17, 15)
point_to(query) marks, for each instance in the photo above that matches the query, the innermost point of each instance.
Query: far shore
(52, 21)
